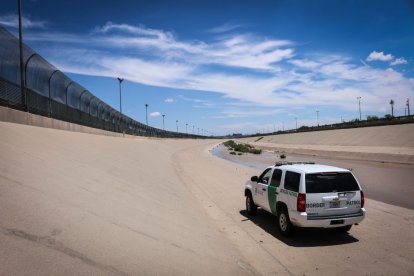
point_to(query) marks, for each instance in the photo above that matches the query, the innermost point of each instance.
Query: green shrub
(242, 148)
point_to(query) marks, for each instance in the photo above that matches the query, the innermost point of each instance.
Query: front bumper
(303, 220)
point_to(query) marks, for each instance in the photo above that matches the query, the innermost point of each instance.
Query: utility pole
(146, 113)
(408, 107)
(22, 76)
(120, 93)
(163, 126)
(359, 103)
(317, 117)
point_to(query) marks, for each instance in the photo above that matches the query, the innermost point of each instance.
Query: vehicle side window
(265, 176)
(292, 181)
(276, 177)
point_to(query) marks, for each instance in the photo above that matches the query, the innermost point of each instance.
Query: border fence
(49, 92)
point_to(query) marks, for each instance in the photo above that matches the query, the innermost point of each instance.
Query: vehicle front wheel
(251, 208)
(283, 223)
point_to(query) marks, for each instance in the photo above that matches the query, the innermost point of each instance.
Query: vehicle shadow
(302, 237)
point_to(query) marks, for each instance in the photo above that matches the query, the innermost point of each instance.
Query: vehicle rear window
(292, 181)
(330, 182)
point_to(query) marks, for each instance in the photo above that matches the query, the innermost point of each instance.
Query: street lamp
(176, 123)
(186, 124)
(146, 113)
(163, 116)
(408, 107)
(120, 93)
(392, 108)
(22, 76)
(198, 131)
(193, 129)
(359, 104)
(317, 117)
(296, 119)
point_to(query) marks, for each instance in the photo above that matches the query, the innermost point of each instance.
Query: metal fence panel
(49, 92)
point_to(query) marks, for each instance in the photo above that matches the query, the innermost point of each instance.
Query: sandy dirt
(393, 143)
(73, 203)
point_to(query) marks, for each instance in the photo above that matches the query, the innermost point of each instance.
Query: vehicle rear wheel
(251, 208)
(344, 229)
(283, 223)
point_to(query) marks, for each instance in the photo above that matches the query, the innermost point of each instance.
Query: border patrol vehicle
(305, 194)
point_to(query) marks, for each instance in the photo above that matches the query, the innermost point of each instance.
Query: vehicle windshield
(330, 182)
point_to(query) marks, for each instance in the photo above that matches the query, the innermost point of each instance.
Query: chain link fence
(49, 92)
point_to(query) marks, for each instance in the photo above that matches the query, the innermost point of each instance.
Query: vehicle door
(332, 193)
(272, 190)
(260, 190)
(289, 191)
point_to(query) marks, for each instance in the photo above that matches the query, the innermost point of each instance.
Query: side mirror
(254, 179)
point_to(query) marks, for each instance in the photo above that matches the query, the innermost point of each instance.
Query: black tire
(284, 225)
(344, 229)
(251, 208)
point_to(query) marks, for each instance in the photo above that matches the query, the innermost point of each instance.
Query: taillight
(362, 199)
(301, 203)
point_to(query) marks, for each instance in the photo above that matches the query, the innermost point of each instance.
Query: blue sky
(230, 66)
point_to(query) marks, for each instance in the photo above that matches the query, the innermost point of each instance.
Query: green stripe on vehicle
(271, 196)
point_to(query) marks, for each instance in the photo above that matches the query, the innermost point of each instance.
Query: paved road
(386, 182)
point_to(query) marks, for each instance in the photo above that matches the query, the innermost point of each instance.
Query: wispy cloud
(226, 27)
(245, 68)
(12, 20)
(169, 100)
(155, 114)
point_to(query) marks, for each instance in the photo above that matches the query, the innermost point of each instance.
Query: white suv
(306, 194)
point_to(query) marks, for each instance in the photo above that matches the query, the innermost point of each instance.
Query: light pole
(146, 113)
(317, 117)
(163, 126)
(186, 124)
(198, 131)
(120, 93)
(296, 119)
(392, 108)
(176, 123)
(193, 129)
(359, 104)
(22, 76)
(408, 107)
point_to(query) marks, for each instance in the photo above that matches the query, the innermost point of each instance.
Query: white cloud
(379, 56)
(226, 27)
(155, 114)
(12, 20)
(252, 70)
(399, 61)
(246, 114)
(169, 100)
